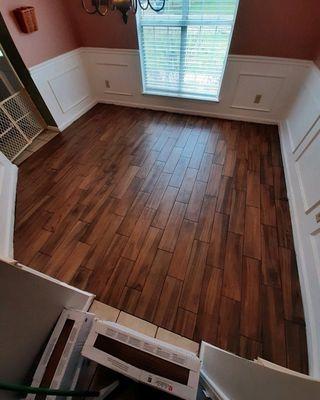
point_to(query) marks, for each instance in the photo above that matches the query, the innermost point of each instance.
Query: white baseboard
(8, 186)
(77, 115)
(150, 106)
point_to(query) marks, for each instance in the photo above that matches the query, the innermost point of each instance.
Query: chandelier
(102, 7)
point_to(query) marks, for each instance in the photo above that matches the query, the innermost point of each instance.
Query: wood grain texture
(251, 299)
(232, 274)
(176, 219)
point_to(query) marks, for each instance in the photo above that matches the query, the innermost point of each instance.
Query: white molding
(231, 57)
(66, 104)
(105, 50)
(149, 106)
(52, 61)
(77, 115)
(8, 186)
(312, 316)
(270, 60)
(128, 91)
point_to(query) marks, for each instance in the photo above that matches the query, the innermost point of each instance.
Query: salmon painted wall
(278, 28)
(275, 28)
(54, 37)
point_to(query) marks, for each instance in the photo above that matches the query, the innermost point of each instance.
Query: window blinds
(184, 48)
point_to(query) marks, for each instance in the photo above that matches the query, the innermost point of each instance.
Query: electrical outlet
(107, 84)
(258, 98)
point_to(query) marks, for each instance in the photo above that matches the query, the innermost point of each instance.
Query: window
(184, 47)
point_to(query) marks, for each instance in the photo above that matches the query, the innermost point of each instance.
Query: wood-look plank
(218, 240)
(205, 167)
(103, 270)
(153, 176)
(81, 278)
(179, 172)
(70, 267)
(180, 259)
(296, 347)
(266, 171)
(192, 284)
(128, 223)
(206, 219)
(214, 180)
(165, 207)
(229, 322)
(148, 301)
(195, 203)
(270, 256)
(253, 189)
(273, 327)
(268, 208)
(230, 163)
(168, 303)
(172, 160)
(187, 185)
(197, 155)
(237, 213)
(129, 300)
(138, 234)
(117, 282)
(225, 195)
(284, 227)
(170, 235)
(252, 236)
(220, 153)
(250, 325)
(208, 314)
(280, 190)
(125, 181)
(240, 174)
(249, 348)
(143, 264)
(158, 191)
(292, 301)
(98, 250)
(185, 323)
(232, 273)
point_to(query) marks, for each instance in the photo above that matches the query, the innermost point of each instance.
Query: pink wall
(278, 28)
(97, 31)
(55, 35)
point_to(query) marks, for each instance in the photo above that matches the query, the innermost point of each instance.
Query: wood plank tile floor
(180, 220)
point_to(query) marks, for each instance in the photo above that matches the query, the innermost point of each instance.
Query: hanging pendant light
(102, 7)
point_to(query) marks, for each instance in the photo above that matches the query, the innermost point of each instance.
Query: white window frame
(209, 98)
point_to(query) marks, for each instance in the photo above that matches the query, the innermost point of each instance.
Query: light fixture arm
(123, 6)
(97, 7)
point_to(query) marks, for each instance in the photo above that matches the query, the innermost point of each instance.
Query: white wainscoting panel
(251, 85)
(300, 145)
(73, 82)
(308, 168)
(65, 86)
(305, 110)
(276, 80)
(8, 184)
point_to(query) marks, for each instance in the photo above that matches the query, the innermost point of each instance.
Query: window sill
(210, 99)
